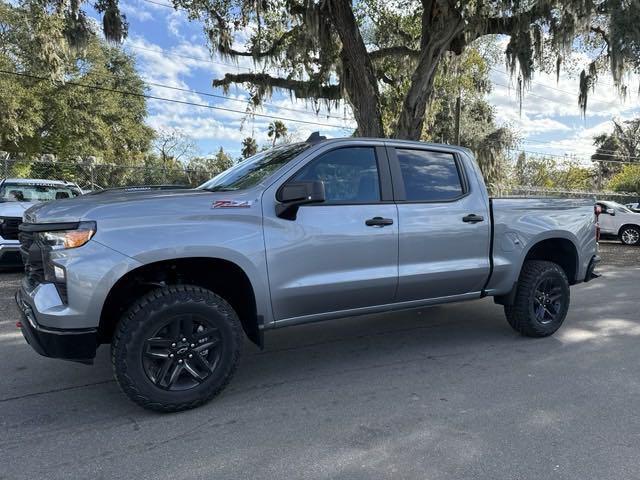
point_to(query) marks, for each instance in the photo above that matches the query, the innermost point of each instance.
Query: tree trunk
(438, 33)
(358, 76)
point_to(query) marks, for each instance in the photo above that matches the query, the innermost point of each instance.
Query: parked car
(17, 195)
(618, 221)
(304, 232)
(634, 207)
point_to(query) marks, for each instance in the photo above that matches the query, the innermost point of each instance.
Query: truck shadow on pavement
(314, 356)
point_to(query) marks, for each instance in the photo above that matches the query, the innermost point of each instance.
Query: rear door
(444, 223)
(341, 254)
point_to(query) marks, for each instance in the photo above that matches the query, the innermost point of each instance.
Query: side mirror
(294, 194)
(610, 211)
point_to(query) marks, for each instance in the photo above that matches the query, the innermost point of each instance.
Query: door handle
(378, 222)
(472, 218)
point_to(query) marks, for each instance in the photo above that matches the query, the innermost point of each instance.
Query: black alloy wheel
(183, 353)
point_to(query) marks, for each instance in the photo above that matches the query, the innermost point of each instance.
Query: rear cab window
(36, 192)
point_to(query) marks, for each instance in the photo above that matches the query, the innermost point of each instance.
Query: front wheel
(630, 235)
(176, 348)
(542, 299)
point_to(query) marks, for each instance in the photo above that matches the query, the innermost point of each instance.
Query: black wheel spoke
(159, 342)
(157, 355)
(175, 373)
(187, 326)
(191, 370)
(162, 372)
(207, 332)
(206, 345)
(199, 360)
(174, 328)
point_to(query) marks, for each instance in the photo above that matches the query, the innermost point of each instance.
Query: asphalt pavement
(448, 392)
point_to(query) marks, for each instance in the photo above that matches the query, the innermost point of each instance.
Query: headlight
(63, 239)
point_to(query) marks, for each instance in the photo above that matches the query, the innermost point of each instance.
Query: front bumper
(78, 345)
(10, 253)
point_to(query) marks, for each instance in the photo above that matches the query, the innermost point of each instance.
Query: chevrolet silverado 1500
(304, 232)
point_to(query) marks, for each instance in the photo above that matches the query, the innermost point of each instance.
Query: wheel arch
(625, 225)
(559, 250)
(222, 276)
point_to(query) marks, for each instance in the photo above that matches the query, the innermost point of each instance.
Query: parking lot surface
(438, 393)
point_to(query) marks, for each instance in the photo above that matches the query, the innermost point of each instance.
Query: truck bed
(518, 223)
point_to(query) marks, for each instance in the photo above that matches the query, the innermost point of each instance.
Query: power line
(172, 54)
(213, 95)
(544, 85)
(182, 102)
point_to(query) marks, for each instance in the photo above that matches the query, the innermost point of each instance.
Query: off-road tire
(148, 312)
(631, 233)
(521, 314)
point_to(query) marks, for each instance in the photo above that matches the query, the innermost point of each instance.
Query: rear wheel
(176, 348)
(630, 235)
(542, 299)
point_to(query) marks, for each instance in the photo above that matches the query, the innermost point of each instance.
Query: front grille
(9, 227)
(32, 257)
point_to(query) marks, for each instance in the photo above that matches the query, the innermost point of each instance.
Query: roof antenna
(315, 137)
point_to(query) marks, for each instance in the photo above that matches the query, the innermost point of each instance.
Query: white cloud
(137, 11)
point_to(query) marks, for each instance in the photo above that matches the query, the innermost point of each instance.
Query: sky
(172, 51)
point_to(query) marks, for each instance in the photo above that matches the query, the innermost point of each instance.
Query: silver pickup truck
(317, 230)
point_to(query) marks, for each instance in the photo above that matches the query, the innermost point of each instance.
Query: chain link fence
(529, 191)
(90, 176)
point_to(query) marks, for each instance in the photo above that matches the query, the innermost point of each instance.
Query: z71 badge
(232, 204)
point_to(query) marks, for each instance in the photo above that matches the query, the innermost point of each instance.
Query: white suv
(617, 220)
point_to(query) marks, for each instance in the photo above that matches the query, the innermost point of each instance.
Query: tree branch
(507, 24)
(300, 88)
(395, 51)
(602, 33)
(270, 52)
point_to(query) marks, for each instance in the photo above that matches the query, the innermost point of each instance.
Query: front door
(334, 256)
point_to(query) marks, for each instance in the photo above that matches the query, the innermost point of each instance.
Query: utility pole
(457, 117)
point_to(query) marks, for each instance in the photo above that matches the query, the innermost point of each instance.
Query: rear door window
(429, 176)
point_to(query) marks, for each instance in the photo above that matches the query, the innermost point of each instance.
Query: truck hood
(14, 209)
(129, 204)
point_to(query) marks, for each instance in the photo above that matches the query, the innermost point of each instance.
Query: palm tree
(277, 129)
(249, 147)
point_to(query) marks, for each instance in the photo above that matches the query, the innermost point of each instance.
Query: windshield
(36, 192)
(618, 206)
(253, 170)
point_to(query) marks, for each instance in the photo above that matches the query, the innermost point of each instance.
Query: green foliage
(202, 169)
(276, 130)
(55, 116)
(627, 180)
(546, 172)
(621, 145)
(249, 147)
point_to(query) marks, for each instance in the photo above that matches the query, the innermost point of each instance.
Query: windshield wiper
(220, 189)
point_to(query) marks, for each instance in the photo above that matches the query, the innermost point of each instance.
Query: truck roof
(392, 140)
